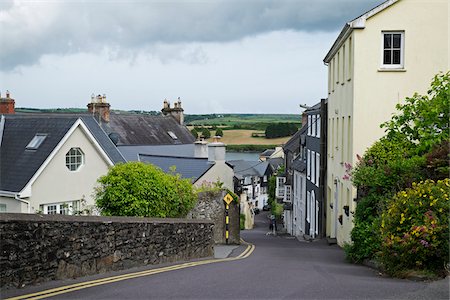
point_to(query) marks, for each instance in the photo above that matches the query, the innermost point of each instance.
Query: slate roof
(249, 168)
(275, 162)
(18, 165)
(299, 165)
(131, 152)
(147, 130)
(187, 167)
(267, 152)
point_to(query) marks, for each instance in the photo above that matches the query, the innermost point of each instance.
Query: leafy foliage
(138, 189)
(206, 133)
(414, 228)
(414, 148)
(280, 130)
(424, 120)
(194, 132)
(219, 132)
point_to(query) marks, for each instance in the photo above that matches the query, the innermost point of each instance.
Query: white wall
(14, 206)
(57, 184)
(220, 171)
(364, 95)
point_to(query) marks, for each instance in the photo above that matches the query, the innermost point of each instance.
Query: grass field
(244, 137)
(233, 119)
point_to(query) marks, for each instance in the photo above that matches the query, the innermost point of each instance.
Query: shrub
(194, 133)
(206, 133)
(242, 222)
(138, 189)
(219, 132)
(414, 228)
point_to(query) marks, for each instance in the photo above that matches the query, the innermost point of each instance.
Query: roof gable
(17, 164)
(357, 23)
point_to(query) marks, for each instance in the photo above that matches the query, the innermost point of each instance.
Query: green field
(240, 119)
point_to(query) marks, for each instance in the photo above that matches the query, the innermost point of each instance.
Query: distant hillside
(238, 119)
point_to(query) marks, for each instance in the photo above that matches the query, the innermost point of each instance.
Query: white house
(51, 164)
(378, 59)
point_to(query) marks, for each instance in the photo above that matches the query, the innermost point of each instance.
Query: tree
(194, 132)
(219, 132)
(206, 133)
(138, 189)
(280, 130)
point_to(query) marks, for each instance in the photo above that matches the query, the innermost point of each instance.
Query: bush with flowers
(414, 229)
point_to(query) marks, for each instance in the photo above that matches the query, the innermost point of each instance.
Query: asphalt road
(279, 268)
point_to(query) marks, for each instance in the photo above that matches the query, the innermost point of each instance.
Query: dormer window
(37, 140)
(172, 135)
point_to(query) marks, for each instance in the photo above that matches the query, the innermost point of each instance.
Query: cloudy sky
(248, 56)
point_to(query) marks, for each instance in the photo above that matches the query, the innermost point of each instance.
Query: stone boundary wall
(210, 206)
(37, 248)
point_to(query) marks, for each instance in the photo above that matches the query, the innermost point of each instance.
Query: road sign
(228, 198)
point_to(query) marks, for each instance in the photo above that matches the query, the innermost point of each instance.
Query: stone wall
(210, 206)
(37, 248)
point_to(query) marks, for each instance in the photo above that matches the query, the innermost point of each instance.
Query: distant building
(378, 59)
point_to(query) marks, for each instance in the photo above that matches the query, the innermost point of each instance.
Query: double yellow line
(83, 285)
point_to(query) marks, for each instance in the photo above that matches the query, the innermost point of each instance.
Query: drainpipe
(16, 196)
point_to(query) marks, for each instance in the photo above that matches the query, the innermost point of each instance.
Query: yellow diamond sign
(228, 198)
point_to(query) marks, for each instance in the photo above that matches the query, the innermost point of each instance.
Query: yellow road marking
(82, 285)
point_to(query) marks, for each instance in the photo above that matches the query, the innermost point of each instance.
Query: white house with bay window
(380, 58)
(51, 164)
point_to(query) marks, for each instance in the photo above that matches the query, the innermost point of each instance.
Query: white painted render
(13, 205)
(57, 184)
(219, 172)
(362, 94)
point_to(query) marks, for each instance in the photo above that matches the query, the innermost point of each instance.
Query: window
(318, 126)
(309, 124)
(393, 49)
(265, 178)
(37, 140)
(51, 209)
(172, 135)
(349, 73)
(2, 207)
(287, 195)
(74, 159)
(317, 168)
(313, 167)
(308, 201)
(308, 165)
(313, 125)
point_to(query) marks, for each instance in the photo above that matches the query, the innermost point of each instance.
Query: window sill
(391, 70)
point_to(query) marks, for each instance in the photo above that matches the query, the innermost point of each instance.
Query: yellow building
(378, 59)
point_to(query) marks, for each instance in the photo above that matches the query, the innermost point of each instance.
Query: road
(279, 268)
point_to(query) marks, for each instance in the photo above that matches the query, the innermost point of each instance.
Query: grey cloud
(30, 30)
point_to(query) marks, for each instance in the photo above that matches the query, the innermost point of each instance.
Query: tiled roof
(18, 165)
(249, 168)
(131, 152)
(187, 167)
(147, 130)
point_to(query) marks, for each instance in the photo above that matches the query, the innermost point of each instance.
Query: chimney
(7, 105)
(216, 150)
(176, 112)
(99, 107)
(201, 149)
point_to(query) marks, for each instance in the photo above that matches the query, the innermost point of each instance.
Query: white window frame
(318, 126)
(308, 210)
(3, 207)
(62, 208)
(313, 167)
(313, 125)
(308, 165)
(72, 159)
(309, 124)
(402, 51)
(317, 168)
(287, 193)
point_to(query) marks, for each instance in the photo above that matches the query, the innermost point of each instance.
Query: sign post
(228, 199)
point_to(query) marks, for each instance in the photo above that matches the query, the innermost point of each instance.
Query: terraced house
(378, 59)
